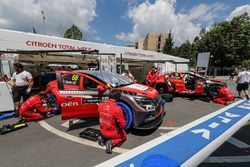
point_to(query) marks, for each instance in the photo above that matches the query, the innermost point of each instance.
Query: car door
(75, 100)
(93, 98)
(178, 81)
(69, 85)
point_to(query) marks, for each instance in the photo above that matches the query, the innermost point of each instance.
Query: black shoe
(16, 114)
(100, 140)
(109, 147)
(247, 97)
(20, 120)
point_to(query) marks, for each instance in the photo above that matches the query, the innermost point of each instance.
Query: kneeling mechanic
(33, 109)
(112, 122)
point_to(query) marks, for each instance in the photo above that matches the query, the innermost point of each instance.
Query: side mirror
(100, 88)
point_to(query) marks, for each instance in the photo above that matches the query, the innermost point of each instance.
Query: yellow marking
(19, 125)
(75, 77)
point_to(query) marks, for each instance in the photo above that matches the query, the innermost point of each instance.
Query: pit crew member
(112, 121)
(152, 76)
(33, 109)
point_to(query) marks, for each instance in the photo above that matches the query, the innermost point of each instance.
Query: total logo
(69, 104)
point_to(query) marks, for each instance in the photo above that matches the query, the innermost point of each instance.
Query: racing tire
(213, 91)
(53, 103)
(127, 113)
(161, 88)
(167, 97)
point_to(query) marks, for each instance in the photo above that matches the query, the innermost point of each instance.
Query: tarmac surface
(53, 142)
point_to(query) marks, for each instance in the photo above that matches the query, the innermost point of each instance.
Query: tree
(168, 47)
(73, 33)
(228, 41)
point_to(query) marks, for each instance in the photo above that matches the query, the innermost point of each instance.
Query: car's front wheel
(128, 114)
(52, 102)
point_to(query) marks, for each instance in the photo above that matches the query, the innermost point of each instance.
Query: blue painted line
(186, 144)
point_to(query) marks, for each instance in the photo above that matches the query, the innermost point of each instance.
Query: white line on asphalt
(238, 143)
(69, 123)
(168, 128)
(79, 140)
(163, 134)
(228, 159)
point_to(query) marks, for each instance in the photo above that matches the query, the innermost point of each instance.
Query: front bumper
(147, 120)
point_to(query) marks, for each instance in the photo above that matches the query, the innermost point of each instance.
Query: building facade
(153, 42)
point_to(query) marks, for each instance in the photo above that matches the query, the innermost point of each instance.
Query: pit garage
(40, 56)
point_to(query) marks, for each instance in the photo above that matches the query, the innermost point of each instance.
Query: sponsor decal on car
(94, 100)
(138, 87)
(69, 104)
(150, 108)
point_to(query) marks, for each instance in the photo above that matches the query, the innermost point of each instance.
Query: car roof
(98, 73)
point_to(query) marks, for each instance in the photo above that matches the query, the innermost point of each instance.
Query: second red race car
(79, 93)
(193, 84)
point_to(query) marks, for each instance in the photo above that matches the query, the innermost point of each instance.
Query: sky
(119, 22)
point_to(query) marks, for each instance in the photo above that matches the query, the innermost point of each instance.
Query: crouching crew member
(112, 121)
(33, 109)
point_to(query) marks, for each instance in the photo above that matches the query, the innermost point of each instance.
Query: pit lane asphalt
(35, 146)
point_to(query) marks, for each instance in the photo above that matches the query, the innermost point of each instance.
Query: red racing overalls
(152, 77)
(28, 107)
(112, 122)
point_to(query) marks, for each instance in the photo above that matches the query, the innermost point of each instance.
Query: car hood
(140, 89)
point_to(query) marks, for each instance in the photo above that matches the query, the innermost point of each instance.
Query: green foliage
(73, 33)
(228, 42)
(246, 63)
(168, 47)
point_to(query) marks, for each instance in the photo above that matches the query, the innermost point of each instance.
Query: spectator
(22, 83)
(242, 81)
(232, 73)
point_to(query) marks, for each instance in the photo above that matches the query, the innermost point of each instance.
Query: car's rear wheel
(53, 103)
(213, 91)
(128, 114)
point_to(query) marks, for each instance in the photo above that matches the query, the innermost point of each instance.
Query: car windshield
(113, 79)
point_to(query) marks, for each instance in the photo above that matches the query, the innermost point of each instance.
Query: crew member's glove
(28, 90)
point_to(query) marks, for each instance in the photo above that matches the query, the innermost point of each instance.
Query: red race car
(78, 94)
(193, 84)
